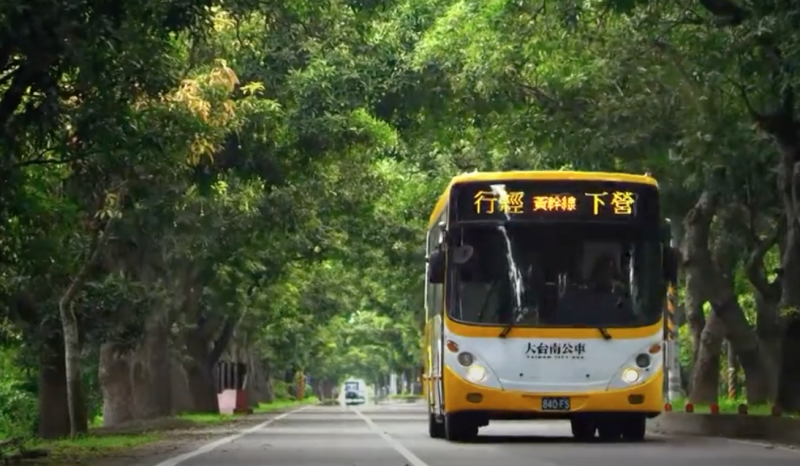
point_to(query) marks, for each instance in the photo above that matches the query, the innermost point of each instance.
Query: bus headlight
(465, 359)
(643, 360)
(476, 374)
(630, 376)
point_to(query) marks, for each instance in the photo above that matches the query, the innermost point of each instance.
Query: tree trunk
(789, 382)
(54, 419)
(252, 380)
(200, 373)
(72, 360)
(204, 353)
(722, 296)
(705, 374)
(745, 344)
(71, 336)
(695, 298)
(181, 393)
(152, 372)
(202, 386)
(694, 301)
(782, 126)
(767, 295)
(769, 329)
(114, 374)
(268, 394)
(257, 378)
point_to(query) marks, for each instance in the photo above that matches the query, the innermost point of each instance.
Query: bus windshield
(552, 274)
(351, 386)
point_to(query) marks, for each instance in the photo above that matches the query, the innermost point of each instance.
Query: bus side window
(434, 291)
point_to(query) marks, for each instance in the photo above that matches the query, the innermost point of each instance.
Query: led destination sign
(556, 200)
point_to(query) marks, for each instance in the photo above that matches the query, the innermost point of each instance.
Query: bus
(545, 298)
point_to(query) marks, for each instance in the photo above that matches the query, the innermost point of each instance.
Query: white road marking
(767, 445)
(176, 460)
(412, 459)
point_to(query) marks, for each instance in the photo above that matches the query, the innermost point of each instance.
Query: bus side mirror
(672, 257)
(436, 267)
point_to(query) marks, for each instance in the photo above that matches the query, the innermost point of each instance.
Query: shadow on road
(490, 439)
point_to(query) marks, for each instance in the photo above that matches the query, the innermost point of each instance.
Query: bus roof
(535, 175)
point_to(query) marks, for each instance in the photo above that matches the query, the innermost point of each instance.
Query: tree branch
(726, 12)
(754, 268)
(28, 163)
(24, 77)
(98, 240)
(223, 340)
(698, 222)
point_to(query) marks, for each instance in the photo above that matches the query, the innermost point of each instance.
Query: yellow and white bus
(544, 300)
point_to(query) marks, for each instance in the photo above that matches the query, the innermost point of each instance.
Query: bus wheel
(633, 429)
(583, 429)
(458, 427)
(610, 430)
(435, 428)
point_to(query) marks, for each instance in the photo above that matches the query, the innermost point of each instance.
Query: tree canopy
(186, 182)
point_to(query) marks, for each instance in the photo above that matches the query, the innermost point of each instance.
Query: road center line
(176, 460)
(412, 459)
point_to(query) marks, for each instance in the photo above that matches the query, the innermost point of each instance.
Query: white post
(674, 385)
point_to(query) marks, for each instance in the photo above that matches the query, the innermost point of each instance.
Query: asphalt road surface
(396, 435)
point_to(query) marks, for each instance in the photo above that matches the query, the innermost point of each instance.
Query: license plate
(556, 403)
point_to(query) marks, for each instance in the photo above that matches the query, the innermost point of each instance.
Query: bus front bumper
(461, 395)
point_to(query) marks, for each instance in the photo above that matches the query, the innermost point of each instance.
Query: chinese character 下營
(485, 197)
(511, 203)
(622, 201)
(597, 201)
(540, 202)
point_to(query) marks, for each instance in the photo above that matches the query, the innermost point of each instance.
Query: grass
(726, 406)
(403, 396)
(92, 445)
(205, 418)
(97, 444)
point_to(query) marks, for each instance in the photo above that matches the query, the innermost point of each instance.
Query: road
(396, 435)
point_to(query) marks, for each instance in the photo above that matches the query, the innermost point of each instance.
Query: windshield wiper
(604, 332)
(508, 326)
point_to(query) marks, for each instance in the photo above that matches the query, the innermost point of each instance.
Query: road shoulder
(769, 429)
(155, 441)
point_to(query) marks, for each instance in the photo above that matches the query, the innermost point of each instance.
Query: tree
(259, 191)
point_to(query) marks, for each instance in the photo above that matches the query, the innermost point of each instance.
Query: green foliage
(280, 390)
(269, 168)
(17, 404)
